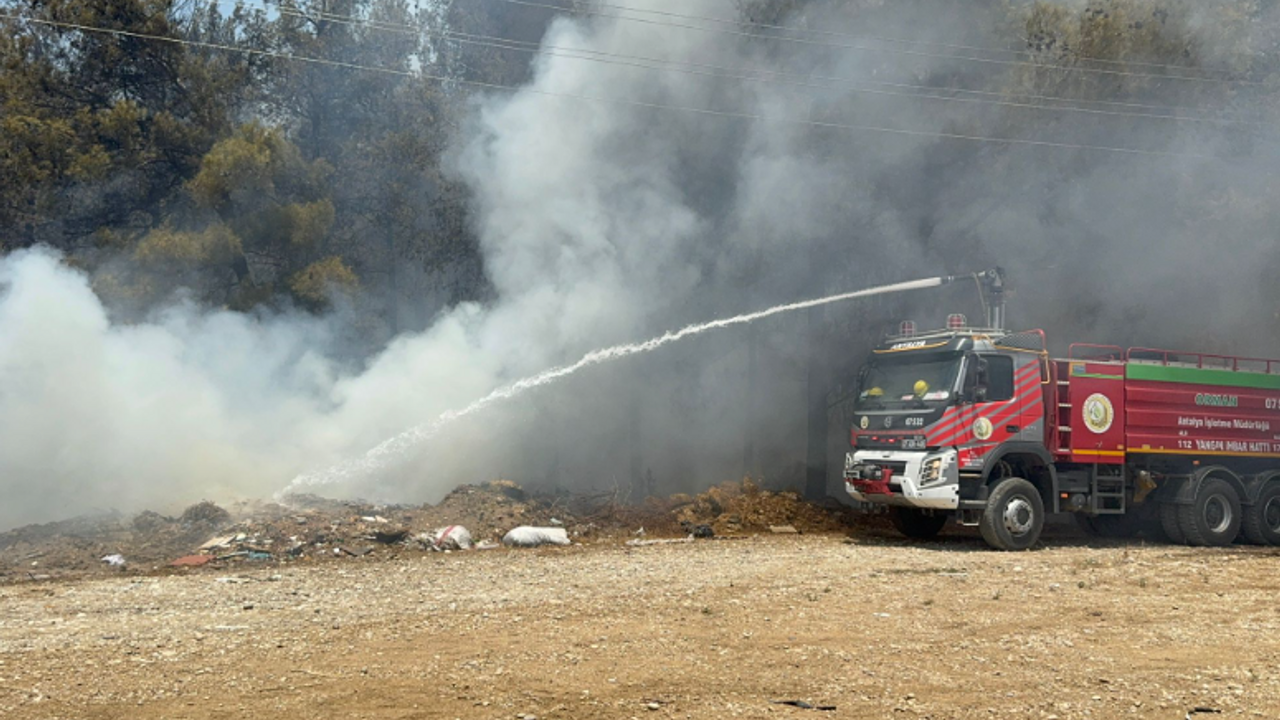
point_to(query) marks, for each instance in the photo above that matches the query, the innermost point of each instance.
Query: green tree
(273, 208)
(99, 131)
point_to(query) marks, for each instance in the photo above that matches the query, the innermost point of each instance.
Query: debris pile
(744, 507)
(307, 528)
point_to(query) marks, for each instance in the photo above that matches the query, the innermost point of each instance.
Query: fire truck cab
(953, 421)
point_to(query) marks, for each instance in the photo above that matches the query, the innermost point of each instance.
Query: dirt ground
(873, 625)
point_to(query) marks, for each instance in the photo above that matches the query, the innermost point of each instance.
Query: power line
(778, 77)
(532, 46)
(956, 46)
(904, 132)
(845, 45)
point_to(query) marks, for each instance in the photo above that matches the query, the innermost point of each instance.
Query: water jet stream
(380, 456)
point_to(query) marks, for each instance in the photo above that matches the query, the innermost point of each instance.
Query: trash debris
(114, 560)
(247, 554)
(192, 561)
(529, 536)
(783, 529)
(391, 536)
(803, 705)
(453, 537)
(487, 545)
(1202, 711)
(298, 526)
(218, 542)
(701, 531)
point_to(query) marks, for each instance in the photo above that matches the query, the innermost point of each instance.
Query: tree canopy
(295, 151)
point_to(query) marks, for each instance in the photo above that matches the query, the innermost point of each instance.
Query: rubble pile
(74, 545)
(742, 507)
(307, 528)
(490, 509)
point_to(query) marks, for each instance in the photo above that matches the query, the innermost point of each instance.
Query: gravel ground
(873, 626)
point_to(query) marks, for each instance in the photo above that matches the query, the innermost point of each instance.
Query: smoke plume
(673, 195)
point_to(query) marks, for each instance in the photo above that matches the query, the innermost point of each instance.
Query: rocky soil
(871, 624)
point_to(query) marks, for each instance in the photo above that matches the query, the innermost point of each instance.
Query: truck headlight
(931, 471)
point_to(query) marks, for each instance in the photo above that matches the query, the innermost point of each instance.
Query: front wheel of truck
(1014, 515)
(920, 524)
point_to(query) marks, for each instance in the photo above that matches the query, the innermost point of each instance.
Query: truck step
(1107, 495)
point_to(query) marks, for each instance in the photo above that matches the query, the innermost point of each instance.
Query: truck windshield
(908, 381)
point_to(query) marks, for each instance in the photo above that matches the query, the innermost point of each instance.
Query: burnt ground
(843, 615)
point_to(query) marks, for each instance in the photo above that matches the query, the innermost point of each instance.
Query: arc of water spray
(382, 454)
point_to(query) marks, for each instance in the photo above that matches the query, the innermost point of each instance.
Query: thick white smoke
(192, 403)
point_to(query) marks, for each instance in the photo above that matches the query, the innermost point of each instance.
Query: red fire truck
(982, 425)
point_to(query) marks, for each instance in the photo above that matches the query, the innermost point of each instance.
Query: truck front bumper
(923, 479)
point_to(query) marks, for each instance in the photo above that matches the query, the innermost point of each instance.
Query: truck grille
(897, 467)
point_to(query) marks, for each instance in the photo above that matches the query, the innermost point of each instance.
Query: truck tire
(1014, 515)
(1213, 518)
(915, 523)
(1262, 520)
(1169, 523)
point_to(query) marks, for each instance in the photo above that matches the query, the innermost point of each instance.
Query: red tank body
(1181, 409)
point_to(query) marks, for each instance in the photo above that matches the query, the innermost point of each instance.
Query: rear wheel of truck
(1213, 518)
(915, 523)
(1262, 520)
(1014, 515)
(1169, 523)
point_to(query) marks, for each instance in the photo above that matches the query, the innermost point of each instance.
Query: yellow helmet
(921, 387)
(876, 391)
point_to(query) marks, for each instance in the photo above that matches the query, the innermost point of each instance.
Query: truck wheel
(917, 523)
(1213, 519)
(1169, 523)
(1262, 521)
(1014, 515)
